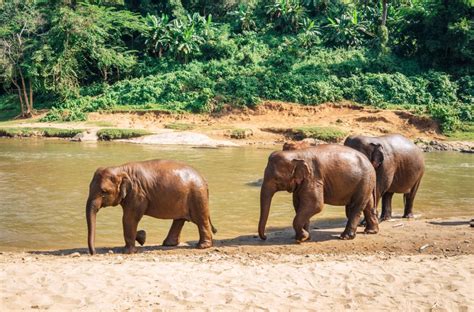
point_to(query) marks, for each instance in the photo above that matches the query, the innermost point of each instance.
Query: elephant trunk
(91, 213)
(266, 194)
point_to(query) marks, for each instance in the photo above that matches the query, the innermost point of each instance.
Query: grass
(145, 108)
(466, 133)
(101, 123)
(327, 134)
(241, 133)
(115, 134)
(46, 132)
(179, 126)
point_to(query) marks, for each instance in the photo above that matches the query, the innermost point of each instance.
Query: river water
(44, 187)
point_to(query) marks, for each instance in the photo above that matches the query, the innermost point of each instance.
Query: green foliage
(116, 134)
(346, 30)
(189, 55)
(182, 38)
(437, 32)
(286, 15)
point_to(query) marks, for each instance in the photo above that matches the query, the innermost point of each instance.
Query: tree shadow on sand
(321, 231)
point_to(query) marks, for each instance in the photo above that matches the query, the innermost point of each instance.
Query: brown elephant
(163, 189)
(325, 174)
(399, 165)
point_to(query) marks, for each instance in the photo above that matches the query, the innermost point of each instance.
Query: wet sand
(410, 265)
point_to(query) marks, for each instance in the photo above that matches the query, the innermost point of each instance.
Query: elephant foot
(303, 237)
(170, 242)
(204, 245)
(347, 234)
(371, 230)
(130, 250)
(141, 237)
(408, 215)
(385, 218)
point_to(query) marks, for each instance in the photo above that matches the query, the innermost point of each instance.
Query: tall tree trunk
(31, 96)
(384, 12)
(25, 96)
(20, 96)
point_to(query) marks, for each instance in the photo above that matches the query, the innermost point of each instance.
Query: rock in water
(141, 237)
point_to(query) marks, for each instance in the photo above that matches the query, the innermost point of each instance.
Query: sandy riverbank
(414, 265)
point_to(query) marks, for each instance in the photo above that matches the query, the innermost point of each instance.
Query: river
(44, 186)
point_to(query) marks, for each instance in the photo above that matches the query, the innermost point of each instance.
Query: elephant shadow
(449, 223)
(276, 236)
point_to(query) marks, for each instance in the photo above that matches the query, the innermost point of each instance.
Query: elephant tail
(214, 230)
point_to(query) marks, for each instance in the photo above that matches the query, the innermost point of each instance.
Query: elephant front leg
(386, 207)
(130, 223)
(309, 205)
(174, 233)
(296, 204)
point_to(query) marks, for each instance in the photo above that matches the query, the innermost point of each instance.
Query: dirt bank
(269, 124)
(344, 116)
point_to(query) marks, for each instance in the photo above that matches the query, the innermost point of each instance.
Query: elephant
(325, 174)
(399, 165)
(163, 189)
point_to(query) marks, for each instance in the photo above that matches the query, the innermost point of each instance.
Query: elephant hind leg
(370, 215)
(205, 234)
(353, 210)
(172, 239)
(409, 198)
(386, 207)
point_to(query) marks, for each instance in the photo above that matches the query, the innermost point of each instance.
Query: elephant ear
(125, 186)
(377, 155)
(300, 171)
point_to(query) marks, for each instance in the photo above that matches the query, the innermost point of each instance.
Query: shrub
(327, 134)
(46, 132)
(241, 133)
(179, 126)
(115, 134)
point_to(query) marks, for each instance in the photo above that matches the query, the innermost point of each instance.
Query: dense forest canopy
(195, 55)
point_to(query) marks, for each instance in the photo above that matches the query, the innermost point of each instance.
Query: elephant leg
(296, 204)
(174, 233)
(308, 207)
(130, 221)
(409, 198)
(354, 210)
(205, 234)
(386, 206)
(370, 216)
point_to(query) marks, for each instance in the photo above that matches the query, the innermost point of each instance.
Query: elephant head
(107, 188)
(367, 146)
(284, 171)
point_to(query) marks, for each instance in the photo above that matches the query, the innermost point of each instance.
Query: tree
(20, 23)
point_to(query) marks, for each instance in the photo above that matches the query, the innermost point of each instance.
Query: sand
(424, 265)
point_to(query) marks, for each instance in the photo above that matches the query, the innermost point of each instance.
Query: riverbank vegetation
(39, 132)
(76, 57)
